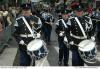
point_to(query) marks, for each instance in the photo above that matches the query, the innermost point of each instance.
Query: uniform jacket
(47, 17)
(21, 28)
(61, 27)
(74, 28)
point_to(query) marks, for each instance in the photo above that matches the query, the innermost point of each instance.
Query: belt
(28, 35)
(77, 37)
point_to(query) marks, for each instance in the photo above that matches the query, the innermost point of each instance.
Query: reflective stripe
(64, 23)
(77, 37)
(83, 32)
(28, 35)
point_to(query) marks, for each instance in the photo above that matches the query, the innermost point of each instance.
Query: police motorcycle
(37, 47)
(86, 48)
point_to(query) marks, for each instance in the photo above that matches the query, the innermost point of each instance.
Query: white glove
(21, 42)
(61, 33)
(72, 42)
(38, 35)
(93, 38)
(65, 39)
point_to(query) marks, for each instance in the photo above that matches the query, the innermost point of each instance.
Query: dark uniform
(96, 18)
(47, 26)
(76, 35)
(63, 50)
(22, 33)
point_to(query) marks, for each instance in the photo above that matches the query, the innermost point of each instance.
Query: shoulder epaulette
(71, 17)
(87, 16)
(59, 19)
(19, 17)
(36, 16)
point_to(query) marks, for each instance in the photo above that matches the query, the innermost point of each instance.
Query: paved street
(10, 56)
(52, 58)
(11, 10)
